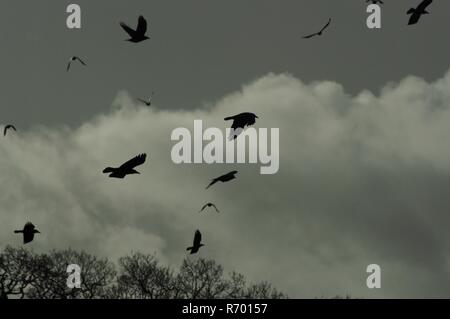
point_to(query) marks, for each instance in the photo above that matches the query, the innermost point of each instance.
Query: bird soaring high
(240, 121)
(72, 59)
(126, 168)
(209, 205)
(224, 178)
(137, 35)
(28, 232)
(320, 32)
(417, 12)
(7, 127)
(196, 244)
(149, 101)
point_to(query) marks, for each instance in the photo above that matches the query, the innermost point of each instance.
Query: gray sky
(364, 120)
(201, 50)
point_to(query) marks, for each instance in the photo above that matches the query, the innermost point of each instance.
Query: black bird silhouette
(375, 1)
(72, 59)
(137, 35)
(197, 243)
(28, 232)
(240, 121)
(126, 168)
(224, 178)
(320, 32)
(7, 127)
(209, 205)
(417, 12)
(149, 102)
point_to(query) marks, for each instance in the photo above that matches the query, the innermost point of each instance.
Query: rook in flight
(72, 59)
(28, 232)
(197, 243)
(209, 205)
(417, 12)
(224, 178)
(137, 35)
(149, 102)
(320, 32)
(7, 127)
(240, 121)
(126, 168)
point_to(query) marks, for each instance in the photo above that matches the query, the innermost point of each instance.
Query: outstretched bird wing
(81, 61)
(197, 238)
(68, 65)
(143, 101)
(236, 121)
(136, 161)
(424, 4)
(309, 36)
(215, 180)
(203, 208)
(326, 26)
(7, 127)
(213, 205)
(128, 30)
(142, 25)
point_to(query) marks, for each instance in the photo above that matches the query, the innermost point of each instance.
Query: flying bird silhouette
(126, 168)
(375, 1)
(224, 178)
(28, 232)
(72, 59)
(149, 102)
(196, 244)
(209, 205)
(320, 32)
(417, 12)
(240, 121)
(7, 127)
(137, 35)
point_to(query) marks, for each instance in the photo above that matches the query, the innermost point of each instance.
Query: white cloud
(362, 180)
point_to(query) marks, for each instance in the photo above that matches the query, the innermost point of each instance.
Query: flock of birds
(415, 15)
(240, 121)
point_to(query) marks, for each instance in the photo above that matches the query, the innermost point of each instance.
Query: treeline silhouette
(28, 275)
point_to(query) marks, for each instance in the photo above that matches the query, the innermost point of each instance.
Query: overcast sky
(364, 120)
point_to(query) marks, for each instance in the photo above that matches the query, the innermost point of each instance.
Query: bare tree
(24, 274)
(16, 273)
(263, 290)
(142, 277)
(51, 277)
(200, 279)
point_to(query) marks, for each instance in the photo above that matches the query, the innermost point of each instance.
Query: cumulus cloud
(363, 179)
